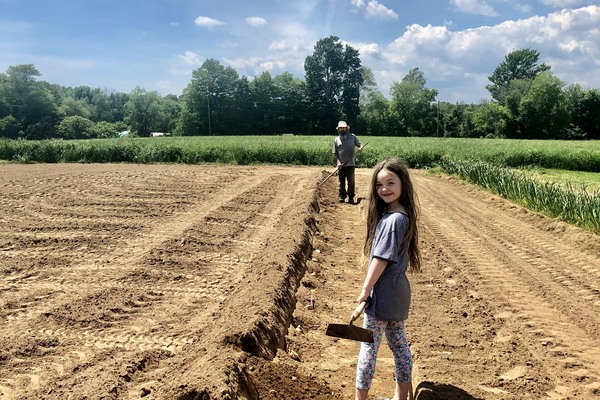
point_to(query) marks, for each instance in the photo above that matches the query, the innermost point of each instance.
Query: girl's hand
(364, 295)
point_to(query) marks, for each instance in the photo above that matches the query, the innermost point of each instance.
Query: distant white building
(157, 134)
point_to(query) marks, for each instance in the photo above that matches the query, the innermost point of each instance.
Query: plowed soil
(218, 282)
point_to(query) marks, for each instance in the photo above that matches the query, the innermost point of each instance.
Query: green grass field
(558, 200)
(587, 181)
(307, 150)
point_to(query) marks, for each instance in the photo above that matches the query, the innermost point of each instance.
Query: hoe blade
(346, 331)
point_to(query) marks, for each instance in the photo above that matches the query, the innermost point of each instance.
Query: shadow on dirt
(441, 391)
(358, 200)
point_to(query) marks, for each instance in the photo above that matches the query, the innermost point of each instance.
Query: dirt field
(218, 282)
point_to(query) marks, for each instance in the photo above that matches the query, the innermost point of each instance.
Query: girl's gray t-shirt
(390, 297)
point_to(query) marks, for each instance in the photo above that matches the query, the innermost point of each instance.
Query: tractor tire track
(532, 275)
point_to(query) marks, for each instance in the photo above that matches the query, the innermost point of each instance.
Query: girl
(392, 244)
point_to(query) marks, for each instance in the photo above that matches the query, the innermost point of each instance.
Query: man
(343, 150)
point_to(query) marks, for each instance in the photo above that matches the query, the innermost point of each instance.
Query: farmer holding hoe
(343, 150)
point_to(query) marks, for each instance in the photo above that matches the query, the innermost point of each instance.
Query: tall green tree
(115, 111)
(542, 111)
(584, 112)
(352, 80)
(518, 89)
(333, 76)
(71, 106)
(278, 104)
(374, 118)
(143, 111)
(169, 112)
(368, 86)
(4, 105)
(9, 127)
(241, 114)
(209, 100)
(455, 120)
(522, 64)
(264, 96)
(21, 81)
(32, 103)
(292, 110)
(490, 120)
(412, 105)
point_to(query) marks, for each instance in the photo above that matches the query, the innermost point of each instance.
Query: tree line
(528, 102)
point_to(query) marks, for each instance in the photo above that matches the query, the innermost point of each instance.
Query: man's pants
(346, 173)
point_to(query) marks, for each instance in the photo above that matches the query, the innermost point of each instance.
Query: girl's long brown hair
(408, 198)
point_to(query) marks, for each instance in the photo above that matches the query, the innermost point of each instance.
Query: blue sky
(156, 44)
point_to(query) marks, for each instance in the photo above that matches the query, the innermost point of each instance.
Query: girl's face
(389, 187)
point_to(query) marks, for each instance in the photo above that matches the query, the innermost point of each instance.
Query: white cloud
(290, 28)
(374, 9)
(524, 8)
(191, 58)
(290, 54)
(364, 49)
(448, 23)
(425, 39)
(207, 22)
(477, 7)
(304, 8)
(242, 63)
(568, 41)
(562, 3)
(271, 65)
(290, 45)
(255, 66)
(256, 21)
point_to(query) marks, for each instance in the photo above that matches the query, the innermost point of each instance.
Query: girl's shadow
(441, 391)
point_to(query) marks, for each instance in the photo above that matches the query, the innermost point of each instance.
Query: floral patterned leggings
(367, 357)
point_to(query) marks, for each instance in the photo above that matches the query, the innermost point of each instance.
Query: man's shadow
(441, 391)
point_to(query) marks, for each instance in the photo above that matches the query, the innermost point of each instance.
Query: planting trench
(124, 281)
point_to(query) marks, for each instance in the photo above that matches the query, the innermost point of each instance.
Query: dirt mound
(254, 317)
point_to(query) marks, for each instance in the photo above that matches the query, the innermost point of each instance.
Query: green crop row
(305, 150)
(570, 204)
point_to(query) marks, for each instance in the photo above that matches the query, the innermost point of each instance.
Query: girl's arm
(376, 268)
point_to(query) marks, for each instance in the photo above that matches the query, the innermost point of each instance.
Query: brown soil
(218, 282)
